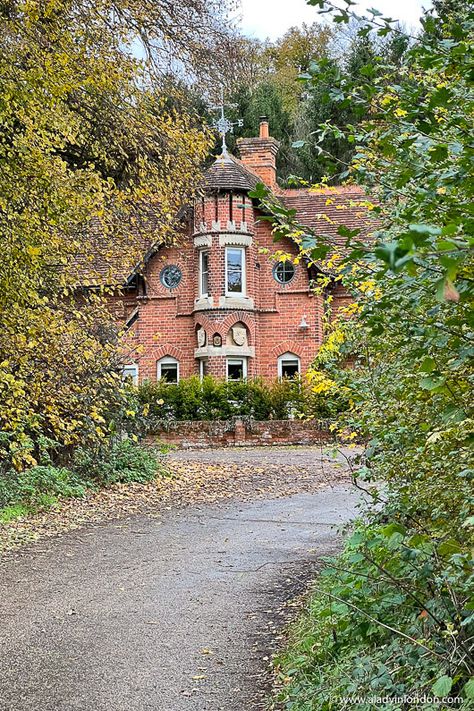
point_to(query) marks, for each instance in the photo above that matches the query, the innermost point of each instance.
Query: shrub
(120, 461)
(39, 487)
(42, 486)
(381, 623)
(213, 399)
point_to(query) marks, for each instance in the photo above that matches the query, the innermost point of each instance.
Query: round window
(283, 272)
(171, 276)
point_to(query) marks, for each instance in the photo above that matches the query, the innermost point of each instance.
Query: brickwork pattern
(229, 433)
(271, 313)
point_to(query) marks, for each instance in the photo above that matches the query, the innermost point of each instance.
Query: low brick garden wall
(237, 432)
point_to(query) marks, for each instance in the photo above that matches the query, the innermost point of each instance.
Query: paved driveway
(169, 612)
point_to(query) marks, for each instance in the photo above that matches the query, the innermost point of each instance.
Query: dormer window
(235, 271)
(204, 273)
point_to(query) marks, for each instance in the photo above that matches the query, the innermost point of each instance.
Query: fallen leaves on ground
(192, 481)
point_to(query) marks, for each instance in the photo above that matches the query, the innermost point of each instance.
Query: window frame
(134, 376)
(234, 360)
(275, 268)
(167, 360)
(288, 357)
(242, 292)
(202, 363)
(202, 253)
(162, 276)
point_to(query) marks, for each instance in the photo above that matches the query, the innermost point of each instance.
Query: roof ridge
(326, 190)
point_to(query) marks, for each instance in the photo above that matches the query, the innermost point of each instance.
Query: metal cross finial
(222, 124)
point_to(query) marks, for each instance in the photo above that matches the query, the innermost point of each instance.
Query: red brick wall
(168, 321)
(224, 433)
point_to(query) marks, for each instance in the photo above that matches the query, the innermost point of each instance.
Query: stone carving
(239, 334)
(217, 340)
(201, 338)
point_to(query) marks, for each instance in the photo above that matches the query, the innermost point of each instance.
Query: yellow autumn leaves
(96, 162)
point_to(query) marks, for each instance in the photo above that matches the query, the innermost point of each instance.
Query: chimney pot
(264, 132)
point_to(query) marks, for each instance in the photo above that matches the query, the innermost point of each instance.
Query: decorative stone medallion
(201, 338)
(217, 340)
(239, 334)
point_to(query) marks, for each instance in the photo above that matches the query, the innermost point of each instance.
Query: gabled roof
(228, 173)
(324, 210)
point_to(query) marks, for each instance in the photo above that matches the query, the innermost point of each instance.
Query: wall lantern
(303, 324)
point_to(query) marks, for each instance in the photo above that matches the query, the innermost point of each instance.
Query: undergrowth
(43, 486)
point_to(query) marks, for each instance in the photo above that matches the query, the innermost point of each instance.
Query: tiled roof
(324, 210)
(228, 173)
(121, 252)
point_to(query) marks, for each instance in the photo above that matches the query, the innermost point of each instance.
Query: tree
(96, 157)
(292, 54)
(394, 614)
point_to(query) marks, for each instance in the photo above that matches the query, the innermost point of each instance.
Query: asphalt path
(172, 612)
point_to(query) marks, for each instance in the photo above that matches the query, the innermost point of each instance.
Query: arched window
(289, 366)
(167, 369)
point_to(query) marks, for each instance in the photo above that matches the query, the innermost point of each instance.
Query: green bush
(120, 461)
(39, 487)
(42, 486)
(380, 623)
(213, 399)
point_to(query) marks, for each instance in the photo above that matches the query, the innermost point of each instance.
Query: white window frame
(288, 357)
(235, 293)
(201, 255)
(167, 360)
(130, 371)
(244, 368)
(202, 363)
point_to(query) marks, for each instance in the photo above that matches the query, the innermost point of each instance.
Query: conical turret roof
(228, 173)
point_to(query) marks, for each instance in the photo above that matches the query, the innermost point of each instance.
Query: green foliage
(91, 145)
(121, 461)
(43, 486)
(410, 567)
(383, 617)
(212, 399)
(10, 513)
(308, 118)
(39, 486)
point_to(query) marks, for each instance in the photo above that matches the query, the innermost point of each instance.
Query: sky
(271, 18)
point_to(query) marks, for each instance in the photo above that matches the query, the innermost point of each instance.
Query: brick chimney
(259, 154)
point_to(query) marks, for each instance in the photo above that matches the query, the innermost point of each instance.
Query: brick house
(218, 303)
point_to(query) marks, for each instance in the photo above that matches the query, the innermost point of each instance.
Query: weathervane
(222, 125)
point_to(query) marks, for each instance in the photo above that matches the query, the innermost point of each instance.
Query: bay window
(234, 271)
(204, 273)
